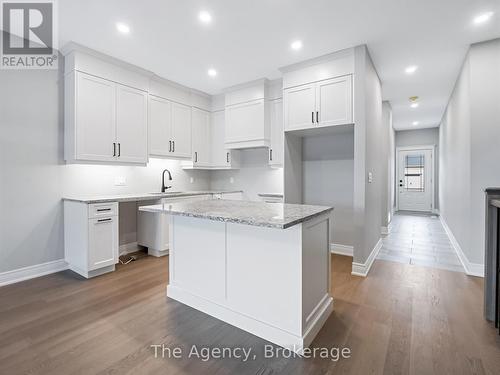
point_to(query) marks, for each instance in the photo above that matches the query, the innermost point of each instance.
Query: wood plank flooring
(402, 319)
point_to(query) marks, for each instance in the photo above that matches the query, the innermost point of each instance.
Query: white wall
(387, 169)
(253, 177)
(328, 179)
(469, 152)
(34, 178)
(422, 137)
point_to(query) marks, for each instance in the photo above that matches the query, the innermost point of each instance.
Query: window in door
(414, 179)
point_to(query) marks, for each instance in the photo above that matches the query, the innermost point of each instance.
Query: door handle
(119, 149)
(317, 117)
(114, 148)
(169, 146)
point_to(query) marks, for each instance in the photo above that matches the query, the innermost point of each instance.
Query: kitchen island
(262, 267)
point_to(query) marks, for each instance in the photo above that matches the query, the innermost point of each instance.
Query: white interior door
(415, 180)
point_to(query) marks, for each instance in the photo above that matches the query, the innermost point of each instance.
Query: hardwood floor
(402, 319)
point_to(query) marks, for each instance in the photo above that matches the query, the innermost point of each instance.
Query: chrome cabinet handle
(271, 154)
(169, 146)
(104, 220)
(312, 117)
(114, 148)
(227, 157)
(119, 149)
(196, 156)
(173, 146)
(103, 209)
(317, 117)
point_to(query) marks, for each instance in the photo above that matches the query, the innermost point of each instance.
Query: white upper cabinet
(90, 118)
(181, 130)
(276, 150)
(300, 106)
(160, 125)
(222, 158)
(247, 116)
(334, 101)
(201, 138)
(131, 125)
(104, 121)
(323, 103)
(169, 128)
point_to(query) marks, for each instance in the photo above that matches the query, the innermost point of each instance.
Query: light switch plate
(120, 181)
(370, 177)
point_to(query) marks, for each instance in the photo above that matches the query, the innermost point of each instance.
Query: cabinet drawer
(97, 210)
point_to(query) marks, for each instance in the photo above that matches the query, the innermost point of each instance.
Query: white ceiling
(250, 39)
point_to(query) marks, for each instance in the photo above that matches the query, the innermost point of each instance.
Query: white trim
(471, 269)
(339, 249)
(30, 272)
(362, 269)
(431, 147)
(384, 230)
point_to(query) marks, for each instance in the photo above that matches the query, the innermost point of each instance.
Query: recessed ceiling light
(212, 72)
(296, 45)
(482, 18)
(414, 105)
(415, 123)
(411, 69)
(205, 17)
(122, 27)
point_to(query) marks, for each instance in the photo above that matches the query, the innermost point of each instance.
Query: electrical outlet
(370, 177)
(120, 181)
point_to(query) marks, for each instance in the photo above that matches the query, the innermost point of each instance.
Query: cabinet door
(300, 107)
(334, 101)
(95, 118)
(160, 124)
(201, 137)
(276, 149)
(219, 152)
(242, 122)
(181, 130)
(103, 242)
(131, 125)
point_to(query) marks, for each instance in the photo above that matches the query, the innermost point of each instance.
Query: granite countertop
(144, 196)
(495, 202)
(272, 215)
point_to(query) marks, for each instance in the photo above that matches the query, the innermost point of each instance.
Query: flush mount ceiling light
(482, 18)
(413, 101)
(212, 72)
(122, 27)
(415, 123)
(414, 105)
(411, 69)
(296, 45)
(205, 17)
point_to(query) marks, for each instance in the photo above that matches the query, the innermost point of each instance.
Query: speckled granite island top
(272, 215)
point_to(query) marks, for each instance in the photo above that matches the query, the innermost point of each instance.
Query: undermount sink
(167, 192)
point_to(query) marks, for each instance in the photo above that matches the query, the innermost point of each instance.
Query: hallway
(419, 239)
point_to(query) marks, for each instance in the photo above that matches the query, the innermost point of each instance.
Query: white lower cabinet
(91, 237)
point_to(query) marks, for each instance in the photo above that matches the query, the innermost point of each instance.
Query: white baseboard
(128, 248)
(471, 269)
(30, 272)
(339, 249)
(362, 269)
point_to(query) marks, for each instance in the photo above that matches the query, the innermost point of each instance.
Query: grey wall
(34, 178)
(368, 156)
(469, 152)
(422, 137)
(328, 179)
